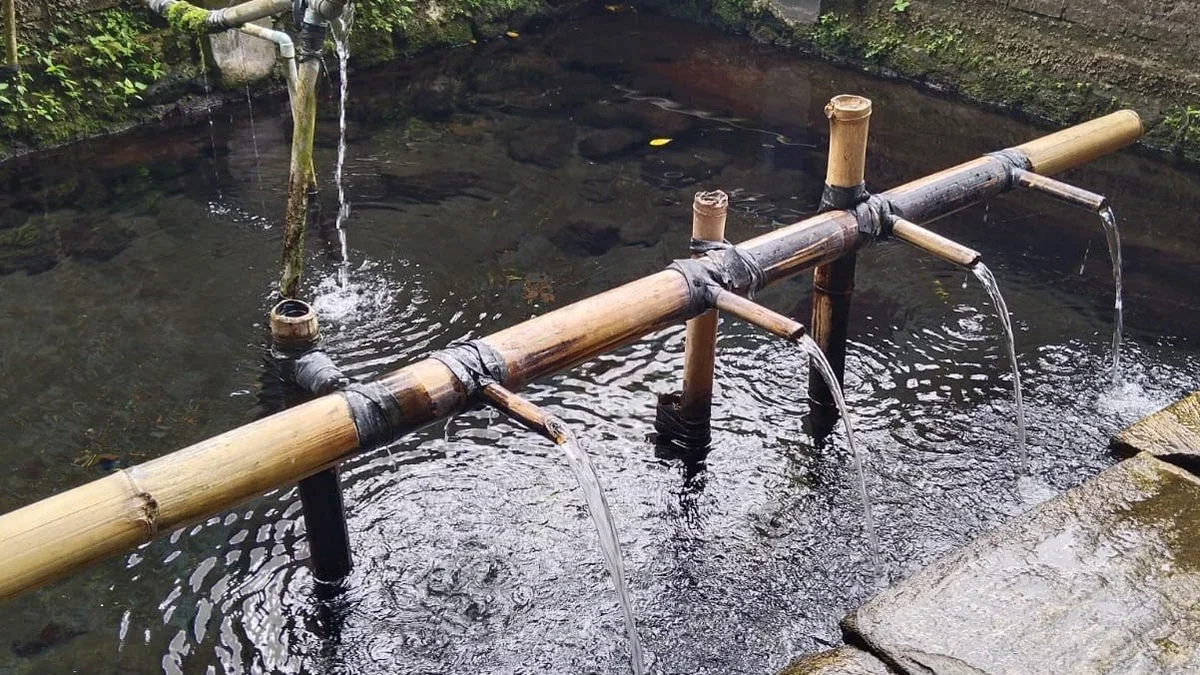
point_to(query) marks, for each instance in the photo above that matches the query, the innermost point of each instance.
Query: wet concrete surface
(840, 661)
(1105, 579)
(1173, 432)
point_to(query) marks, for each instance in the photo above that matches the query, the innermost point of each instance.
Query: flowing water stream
(817, 358)
(988, 280)
(341, 41)
(1113, 235)
(606, 529)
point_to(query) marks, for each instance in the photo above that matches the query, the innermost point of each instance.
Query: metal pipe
(217, 20)
(934, 243)
(74, 529)
(1063, 192)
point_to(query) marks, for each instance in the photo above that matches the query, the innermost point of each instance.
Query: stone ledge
(1104, 579)
(840, 661)
(1174, 430)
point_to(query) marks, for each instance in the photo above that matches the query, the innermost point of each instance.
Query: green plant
(831, 32)
(900, 6)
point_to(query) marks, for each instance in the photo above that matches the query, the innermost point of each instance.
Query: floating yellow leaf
(513, 34)
(613, 8)
(659, 142)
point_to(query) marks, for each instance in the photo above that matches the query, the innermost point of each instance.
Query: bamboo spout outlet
(71, 530)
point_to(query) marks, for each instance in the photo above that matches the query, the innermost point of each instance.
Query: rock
(1174, 430)
(29, 248)
(643, 232)
(583, 239)
(1104, 579)
(600, 190)
(433, 187)
(241, 58)
(670, 169)
(605, 143)
(96, 239)
(436, 99)
(547, 145)
(841, 661)
(51, 635)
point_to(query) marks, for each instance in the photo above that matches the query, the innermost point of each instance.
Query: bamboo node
(149, 508)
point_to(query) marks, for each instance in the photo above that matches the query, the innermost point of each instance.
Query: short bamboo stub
(709, 211)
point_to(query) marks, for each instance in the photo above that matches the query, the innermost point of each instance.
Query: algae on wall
(987, 52)
(92, 72)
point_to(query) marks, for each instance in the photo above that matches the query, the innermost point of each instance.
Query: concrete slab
(841, 661)
(1104, 579)
(1174, 430)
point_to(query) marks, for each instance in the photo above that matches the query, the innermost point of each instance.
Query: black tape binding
(317, 374)
(842, 198)
(474, 364)
(721, 266)
(1013, 160)
(376, 413)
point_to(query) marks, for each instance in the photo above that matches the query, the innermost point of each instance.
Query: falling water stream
(1114, 250)
(610, 545)
(818, 359)
(341, 41)
(988, 280)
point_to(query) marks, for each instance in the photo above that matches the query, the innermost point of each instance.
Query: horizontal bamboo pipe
(48, 539)
(1064, 192)
(933, 243)
(1080, 144)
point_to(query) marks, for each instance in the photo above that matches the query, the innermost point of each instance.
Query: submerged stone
(841, 661)
(606, 143)
(1104, 579)
(1172, 431)
(546, 145)
(433, 187)
(583, 238)
(29, 248)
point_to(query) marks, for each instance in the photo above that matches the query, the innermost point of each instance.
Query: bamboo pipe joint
(294, 326)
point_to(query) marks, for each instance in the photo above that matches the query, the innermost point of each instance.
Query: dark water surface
(473, 208)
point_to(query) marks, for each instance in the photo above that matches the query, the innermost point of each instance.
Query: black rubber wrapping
(376, 413)
(675, 429)
(474, 364)
(311, 42)
(317, 374)
(842, 198)
(721, 266)
(1013, 160)
(875, 216)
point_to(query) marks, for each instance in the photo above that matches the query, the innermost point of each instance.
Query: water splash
(818, 359)
(610, 545)
(1109, 219)
(341, 41)
(988, 280)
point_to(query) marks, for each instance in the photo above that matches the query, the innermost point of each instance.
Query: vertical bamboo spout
(833, 284)
(709, 210)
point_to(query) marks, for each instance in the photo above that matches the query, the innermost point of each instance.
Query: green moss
(187, 18)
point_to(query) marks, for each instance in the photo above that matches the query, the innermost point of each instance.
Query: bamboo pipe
(934, 243)
(833, 284)
(301, 177)
(709, 210)
(520, 409)
(50, 538)
(1082, 143)
(755, 314)
(1064, 192)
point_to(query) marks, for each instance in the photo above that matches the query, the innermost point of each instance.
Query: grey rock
(583, 238)
(1104, 579)
(241, 58)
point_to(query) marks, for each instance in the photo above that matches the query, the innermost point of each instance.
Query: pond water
(494, 182)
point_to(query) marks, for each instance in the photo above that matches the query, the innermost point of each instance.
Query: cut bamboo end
(294, 326)
(849, 119)
(934, 243)
(1083, 143)
(709, 211)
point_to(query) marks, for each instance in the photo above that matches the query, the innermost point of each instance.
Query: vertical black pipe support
(295, 336)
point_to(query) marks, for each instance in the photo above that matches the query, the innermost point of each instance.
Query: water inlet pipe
(74, 529)
(287, 52)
